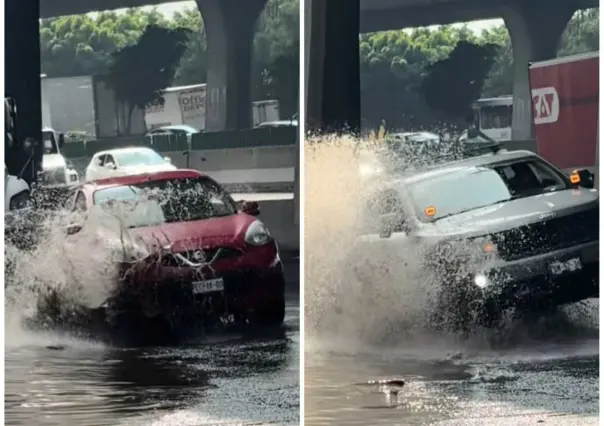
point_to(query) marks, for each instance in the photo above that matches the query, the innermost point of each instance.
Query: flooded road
(551, 379)
(229, 380)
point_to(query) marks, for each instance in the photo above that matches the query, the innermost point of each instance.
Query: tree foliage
(452, 83)
(139, 73)
(393, 63)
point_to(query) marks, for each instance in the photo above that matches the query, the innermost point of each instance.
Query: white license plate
(570, 265)
(208, 286)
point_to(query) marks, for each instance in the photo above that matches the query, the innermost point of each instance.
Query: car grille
(214, 253)
(543, 237)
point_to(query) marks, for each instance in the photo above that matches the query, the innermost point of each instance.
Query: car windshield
(159, 202)
(140, 157)
(474, 188)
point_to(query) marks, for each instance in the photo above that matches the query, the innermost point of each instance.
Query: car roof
(125, 149)
(113, 182)
(466, 163)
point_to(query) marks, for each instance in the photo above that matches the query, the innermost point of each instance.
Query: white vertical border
(2, 38)
(598, 155)
(303, 4)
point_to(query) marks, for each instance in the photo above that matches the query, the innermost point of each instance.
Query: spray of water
(379, 293)
(353, 288)
(56, 278)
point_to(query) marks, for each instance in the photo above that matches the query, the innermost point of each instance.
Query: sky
(170, 8)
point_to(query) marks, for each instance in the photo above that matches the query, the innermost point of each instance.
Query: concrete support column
(333, 75)
(535, 29)
(22, 77)
(229, 26)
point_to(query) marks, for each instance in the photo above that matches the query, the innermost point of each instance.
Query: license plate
(562, 267)
(208, 286)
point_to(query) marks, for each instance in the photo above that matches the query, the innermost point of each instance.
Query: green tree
(452, 84)
(276, 69)
(394, 64)
(84, 44)
(139, 73)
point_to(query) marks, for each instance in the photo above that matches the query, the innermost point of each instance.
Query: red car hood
(223, 231)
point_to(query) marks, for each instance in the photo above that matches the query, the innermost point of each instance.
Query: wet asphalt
(235, 378)
(545, 372)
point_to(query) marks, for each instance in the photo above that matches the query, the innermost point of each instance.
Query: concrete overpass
(332, 38)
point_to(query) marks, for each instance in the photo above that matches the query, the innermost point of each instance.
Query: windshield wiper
(513, 197)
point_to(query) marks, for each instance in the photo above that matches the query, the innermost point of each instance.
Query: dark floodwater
(229, 380)
(551, 378)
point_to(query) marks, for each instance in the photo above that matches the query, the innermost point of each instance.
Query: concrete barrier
(261, 169)
(253, 160)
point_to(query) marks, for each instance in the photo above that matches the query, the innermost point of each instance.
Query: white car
(16, 192)
(126, 161)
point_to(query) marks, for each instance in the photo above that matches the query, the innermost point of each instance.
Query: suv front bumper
(559, 277)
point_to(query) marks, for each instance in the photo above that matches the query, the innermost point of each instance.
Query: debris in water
(392, 387)
(455, 356)
(55, 347)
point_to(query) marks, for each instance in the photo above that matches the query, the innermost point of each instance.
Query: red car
(199, 256)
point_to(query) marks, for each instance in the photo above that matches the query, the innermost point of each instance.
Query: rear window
(168, 201)
(474, 188)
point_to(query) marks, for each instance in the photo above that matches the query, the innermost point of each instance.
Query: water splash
(367, 295)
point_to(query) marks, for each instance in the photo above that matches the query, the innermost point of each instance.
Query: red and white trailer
(565, 93)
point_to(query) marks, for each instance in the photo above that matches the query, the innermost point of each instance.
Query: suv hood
(222, 231)
(512, 214)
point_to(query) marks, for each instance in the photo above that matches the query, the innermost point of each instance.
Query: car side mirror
(61, 140)
(582, 177)
(249, 207)
(73, 229)
(168, 160)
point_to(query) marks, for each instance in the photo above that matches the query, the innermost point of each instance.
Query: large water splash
(61, 275)
(379, 293)
(350, 289)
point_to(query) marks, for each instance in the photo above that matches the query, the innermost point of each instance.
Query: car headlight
(485, 245)
(257, 234)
